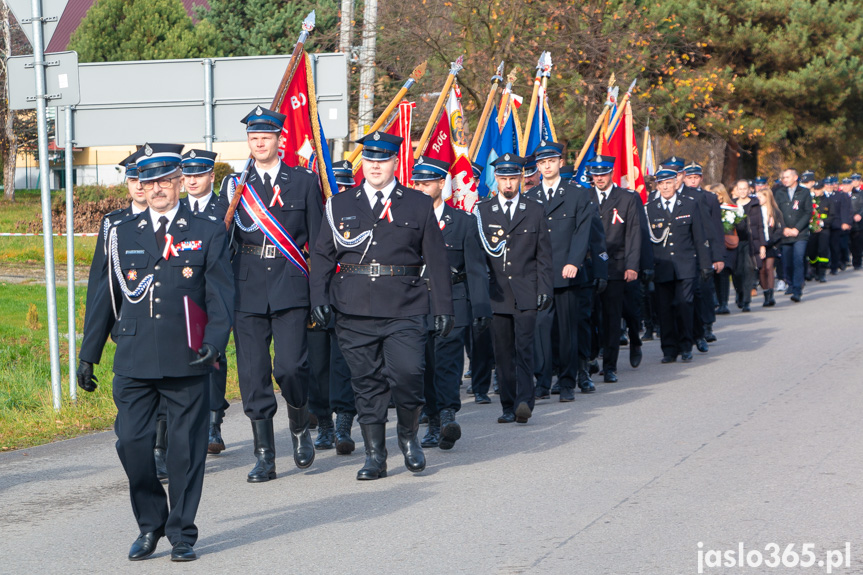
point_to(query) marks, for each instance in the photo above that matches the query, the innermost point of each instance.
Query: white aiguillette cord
(134, 296)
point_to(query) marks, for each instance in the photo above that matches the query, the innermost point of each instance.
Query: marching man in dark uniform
(678, 247)
(515, 237)
(280, 212)
(445, 354)
(856, 235)
(368, 262)
(198, 178)
(618, 209)
(161, 262)
(568, 216)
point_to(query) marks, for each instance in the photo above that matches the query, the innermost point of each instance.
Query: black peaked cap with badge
(158, 160)
(429, 169)
(198, 162)
(379, 146)
(264, 120)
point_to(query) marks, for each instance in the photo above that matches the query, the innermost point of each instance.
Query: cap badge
(148, 151)
(543, 143)
(258, 111)
(376, 136)
(419, 161)
(192, 154)
(506, 157)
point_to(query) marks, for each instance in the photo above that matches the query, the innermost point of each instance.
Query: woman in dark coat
(744, 270)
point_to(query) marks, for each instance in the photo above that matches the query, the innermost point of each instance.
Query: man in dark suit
(711, 219)
(795, 203)
(515, 237)
(377, 239)
(856, 234)
(445, 355)
(679, 247)
(618, 209)
(568, 216)
(840, 226)
(198, 178)
(280, 212)
(159, 259)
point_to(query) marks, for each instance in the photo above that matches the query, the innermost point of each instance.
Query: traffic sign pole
(70, 256)
(44, 174)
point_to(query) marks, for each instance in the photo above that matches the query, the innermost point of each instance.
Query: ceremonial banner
(487, 153)
(541, 126)
(401, 127)
(620, 143)
(304, 142)
(649, 160)
(580, 177)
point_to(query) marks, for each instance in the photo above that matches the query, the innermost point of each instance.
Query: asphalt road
(757, 442)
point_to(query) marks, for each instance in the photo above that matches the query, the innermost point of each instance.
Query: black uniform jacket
(151, 334)
(567, 218)
(213, 208)
(273, 284)
(413, 238)
(525, 269)
(620, 220)
(711, 219)
(842, 210)
(684, 246)
(796, 211)
(467, 264)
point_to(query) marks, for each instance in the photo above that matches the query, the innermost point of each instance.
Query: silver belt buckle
(375, 270)
(269, 251)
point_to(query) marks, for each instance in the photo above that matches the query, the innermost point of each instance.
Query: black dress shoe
(723, 310)
(686, 356)
(506, 417)
(522, 413)
(567, 394)
(610, 376)
(709, 336)
(701, 345)
(795, 298)
(635, 356)
(144, 546)
(182, 551)
(587, 387)
(542, 393)
(555, 388)
(746, 308)
(592, 367)
(482, 398)
(669, 358)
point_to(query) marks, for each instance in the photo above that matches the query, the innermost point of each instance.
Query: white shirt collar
(136, 209)
(154, 216)
(549, 185)
(274, 172)
(438, 211)
(606, 192)
(370, 191)
(203, 202)
(672, 199)
(503, 200)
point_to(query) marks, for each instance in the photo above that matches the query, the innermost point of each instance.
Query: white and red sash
(271, 227)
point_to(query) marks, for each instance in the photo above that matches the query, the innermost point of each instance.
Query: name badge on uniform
(495, 208)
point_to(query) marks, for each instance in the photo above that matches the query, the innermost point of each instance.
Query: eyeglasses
(163, 183)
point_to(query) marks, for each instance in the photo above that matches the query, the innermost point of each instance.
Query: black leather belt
(459, 277)
(378, 270)
(268, 251)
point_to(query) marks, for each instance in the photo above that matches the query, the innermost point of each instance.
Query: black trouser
(444, 368)
(856, 245)
(722, 282)
(219, 385)
(648, 301)
(818, 248)
(632, 296)
(330, 388)
(386, 357)
(289, 365)
(743, 274)
(187, 403)
(585, 295)
(838, 255)
(568, 305)
(543, 364)
(675, 315)
(612, 311)
(513, 356)
(707, 297)
(481, 360)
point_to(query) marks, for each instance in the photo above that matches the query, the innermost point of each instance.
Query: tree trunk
(731, 169)
(8, 140)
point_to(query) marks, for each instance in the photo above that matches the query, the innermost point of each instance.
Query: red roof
(75, 12)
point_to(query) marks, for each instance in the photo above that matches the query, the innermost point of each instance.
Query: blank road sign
(61, 80)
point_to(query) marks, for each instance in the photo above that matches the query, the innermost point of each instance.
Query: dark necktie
(268, 184)
(195, 209)
(160, 233)
(550, 193)
(379, 205)
(508, 210)
(668, 206)
(603, 195)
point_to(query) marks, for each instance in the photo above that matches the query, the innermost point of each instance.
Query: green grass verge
(27, 416)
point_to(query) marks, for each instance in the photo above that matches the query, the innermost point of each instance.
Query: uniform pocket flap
(126, 326)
